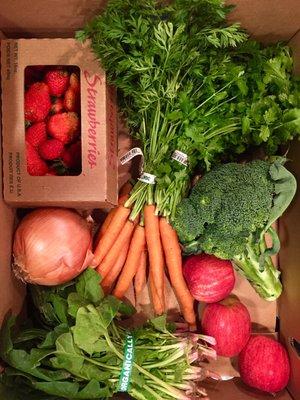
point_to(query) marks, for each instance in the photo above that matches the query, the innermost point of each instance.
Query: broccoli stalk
(263, 277)
(230, 211)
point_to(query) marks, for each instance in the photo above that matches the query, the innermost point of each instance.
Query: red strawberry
(51, 149)
(35, 165)
(72, 100)
(58, 81)
(72, 156)
(36, 134)
(64, 127)
(57, 106)
(74, 82)
(37, 102)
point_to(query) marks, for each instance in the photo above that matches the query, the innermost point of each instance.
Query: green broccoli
(228, 213)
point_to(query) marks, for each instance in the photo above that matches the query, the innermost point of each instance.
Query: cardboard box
(268, 21)
(96, 185)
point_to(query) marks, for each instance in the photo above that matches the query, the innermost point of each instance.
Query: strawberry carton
(59, 126)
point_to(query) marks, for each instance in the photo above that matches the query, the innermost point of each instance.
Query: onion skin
(229, 323)
(264, 364)
(52, 246)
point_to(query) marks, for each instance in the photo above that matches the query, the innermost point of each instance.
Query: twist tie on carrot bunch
(144, 176)
(126, 371)
(147, 178)
(180, 157)
(134, 152)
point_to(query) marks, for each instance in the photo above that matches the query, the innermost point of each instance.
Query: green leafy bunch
(188, 81)
(77, 349)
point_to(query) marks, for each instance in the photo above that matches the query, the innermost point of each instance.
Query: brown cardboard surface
(262, 312)
(236, 390)
(269, 20)
(289, 258)
(97, 185)
(295, 45)
(12, 291)
(41, 18)
(230, 390)
(289, 302)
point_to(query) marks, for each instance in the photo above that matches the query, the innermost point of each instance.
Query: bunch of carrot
(124, 249)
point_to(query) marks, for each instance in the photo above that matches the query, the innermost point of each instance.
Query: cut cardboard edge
(289, 256)
(13, 291)
(258, 16)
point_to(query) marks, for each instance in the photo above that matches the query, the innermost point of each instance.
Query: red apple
(229, 323)
(209, 278)
(264, 364)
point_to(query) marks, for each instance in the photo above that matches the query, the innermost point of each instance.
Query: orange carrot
(112, 232)
(109, 217)
(173, 258)
(155, 251)
(158, 305)
(136, 248)
(105, 225)
(140, 276)
(123, 197)
(109, 280)
(111, 257)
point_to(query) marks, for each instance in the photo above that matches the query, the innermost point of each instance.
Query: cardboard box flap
(289, 259)
(12, 291)
(269, 20)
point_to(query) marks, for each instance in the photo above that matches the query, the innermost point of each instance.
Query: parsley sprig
(189, 81)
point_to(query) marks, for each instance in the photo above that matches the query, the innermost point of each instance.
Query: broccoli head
(231, 208)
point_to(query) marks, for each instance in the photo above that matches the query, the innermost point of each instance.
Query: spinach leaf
(72, 390)
(69, 357)
(88, 286)
(51, 337)
(30, 334)
(88, 328)
(21, 359)
(17, 389)
(75, 301)
(127, 309)
(108, 309)
(60, 308)
(160, 323)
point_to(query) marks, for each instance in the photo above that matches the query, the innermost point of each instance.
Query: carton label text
(93, 152)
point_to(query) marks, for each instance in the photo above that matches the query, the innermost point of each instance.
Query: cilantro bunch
(76, 350)
(188, 81)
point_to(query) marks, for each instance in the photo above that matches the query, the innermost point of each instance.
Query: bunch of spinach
(77, 351)
(188, 81)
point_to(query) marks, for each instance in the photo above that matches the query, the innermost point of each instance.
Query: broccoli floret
(229, 211)
(246, 200)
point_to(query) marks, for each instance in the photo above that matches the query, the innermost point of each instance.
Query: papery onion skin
(52, 246)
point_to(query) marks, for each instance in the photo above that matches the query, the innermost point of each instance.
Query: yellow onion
(52, 246)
